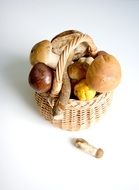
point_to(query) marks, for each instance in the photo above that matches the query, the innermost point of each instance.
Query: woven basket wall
(78, 114)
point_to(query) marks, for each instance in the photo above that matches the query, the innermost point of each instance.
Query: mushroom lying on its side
(42, 52)
(60, 41)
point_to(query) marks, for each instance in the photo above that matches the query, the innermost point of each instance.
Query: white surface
(33, 154)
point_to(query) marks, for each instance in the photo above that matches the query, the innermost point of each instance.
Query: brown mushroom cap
(100, 53)
(67, 32)
(60, 41)
(77, 70)
(104, 74)
(42, 52)
(40, 78)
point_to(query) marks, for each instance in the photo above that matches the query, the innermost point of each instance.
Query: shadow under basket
(78, 114)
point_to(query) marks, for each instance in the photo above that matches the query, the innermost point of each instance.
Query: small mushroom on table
(88, 148)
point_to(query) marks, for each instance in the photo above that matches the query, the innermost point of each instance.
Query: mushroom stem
(53, 60)
(62, 101)
(59, 107)
(86, 147)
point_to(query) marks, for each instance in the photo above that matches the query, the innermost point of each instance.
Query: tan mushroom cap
(104, 74)
(42, 52)
(65, 33)
(60, 41)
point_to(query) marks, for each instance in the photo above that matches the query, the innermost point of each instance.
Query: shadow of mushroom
(15, 75)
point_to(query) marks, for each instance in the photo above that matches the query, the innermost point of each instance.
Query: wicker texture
(77, 114)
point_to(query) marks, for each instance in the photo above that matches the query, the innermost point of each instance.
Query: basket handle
(57, 82)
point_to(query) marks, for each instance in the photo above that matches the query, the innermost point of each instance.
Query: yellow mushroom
(83, 91)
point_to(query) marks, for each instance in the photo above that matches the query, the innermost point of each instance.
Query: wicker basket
(78, 114)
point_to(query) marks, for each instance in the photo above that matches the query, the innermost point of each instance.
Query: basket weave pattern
(77, 114)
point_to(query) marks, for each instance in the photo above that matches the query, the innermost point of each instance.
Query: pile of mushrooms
(100, 71)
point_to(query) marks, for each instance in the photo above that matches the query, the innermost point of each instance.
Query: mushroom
(40, 77)
(88, 148)
(62, 101)
(60, 41)
(87, 60)
(77, 70)
(101, 52)
(67, 32)
(104, 73)
(42, 52)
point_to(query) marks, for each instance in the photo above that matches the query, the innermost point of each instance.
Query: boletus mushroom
(60, 41)
(40, 77)
(42, 52)
(77, 70)
(104, 73)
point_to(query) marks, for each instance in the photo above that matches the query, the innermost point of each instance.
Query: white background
(33, 154)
